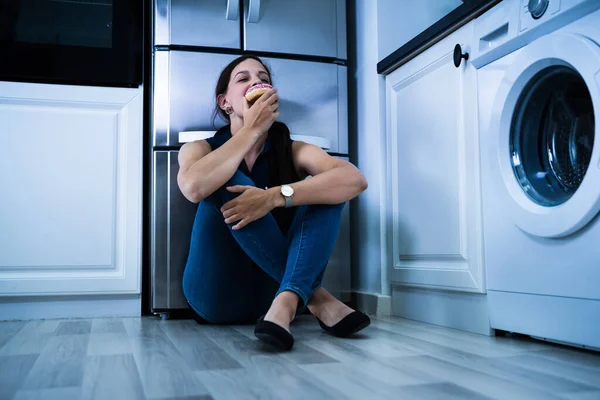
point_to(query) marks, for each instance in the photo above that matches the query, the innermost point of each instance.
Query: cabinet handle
(254, 11)
(458, 55)
(233, 10)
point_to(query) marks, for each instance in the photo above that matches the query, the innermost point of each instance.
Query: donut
(253, 93)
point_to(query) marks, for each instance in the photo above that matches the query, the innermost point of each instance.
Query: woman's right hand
(260, 116)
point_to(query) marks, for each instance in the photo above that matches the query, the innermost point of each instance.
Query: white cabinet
(433, 170)
(71, 181)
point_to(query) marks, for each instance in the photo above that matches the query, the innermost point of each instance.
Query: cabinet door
(313, 100)
(211, 23)
(172, 220)
(307, 27)
(433, 161)
(71, 179)
(184, 98)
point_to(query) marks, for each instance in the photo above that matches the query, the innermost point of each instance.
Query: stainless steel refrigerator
(304, 44)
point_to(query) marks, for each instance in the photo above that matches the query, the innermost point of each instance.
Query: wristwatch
(288, 193)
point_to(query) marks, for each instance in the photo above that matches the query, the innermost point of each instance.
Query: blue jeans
(232, 276)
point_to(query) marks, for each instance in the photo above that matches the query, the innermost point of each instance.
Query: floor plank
(9, 329)
(68, 393)
(372, 366)
(268, 377)
(14, 370)
(590, 359)
(108, 343)
(578, 373)
(482, 348)
(60, 364)
(199, 350)
(32, 338)
(435, 391)
(74, 328)
(513, 372)
(108, 325)
(472, 379)
(352, 382)
(163, 371)
(111, 377)
(595, 395)
(509, 344)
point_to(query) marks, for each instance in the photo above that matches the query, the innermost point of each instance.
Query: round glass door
(547, 153)
(552, 135)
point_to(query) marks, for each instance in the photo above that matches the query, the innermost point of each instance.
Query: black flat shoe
(273, 334)
(348, 326)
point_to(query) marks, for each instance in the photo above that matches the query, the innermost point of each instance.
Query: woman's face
(246, 74)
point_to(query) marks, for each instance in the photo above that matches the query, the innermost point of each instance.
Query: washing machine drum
(548, 142)
(552, 135)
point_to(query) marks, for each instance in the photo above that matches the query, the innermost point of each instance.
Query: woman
(263, 235)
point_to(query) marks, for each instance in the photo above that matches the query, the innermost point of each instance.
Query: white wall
(365, 137)
(375, 29)
(398, 21)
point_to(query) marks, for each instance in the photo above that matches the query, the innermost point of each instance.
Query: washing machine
(538, 72)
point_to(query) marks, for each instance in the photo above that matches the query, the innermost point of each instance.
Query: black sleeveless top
(259, 174)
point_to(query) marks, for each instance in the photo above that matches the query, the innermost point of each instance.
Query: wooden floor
(137, 358)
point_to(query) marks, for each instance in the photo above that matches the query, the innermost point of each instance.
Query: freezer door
(337, 279)
(184, 99)
(313, 100)
(172, 220)
(212, 23)
(307, 27)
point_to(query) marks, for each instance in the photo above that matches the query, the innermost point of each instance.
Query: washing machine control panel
(534, 11)
(537, 8)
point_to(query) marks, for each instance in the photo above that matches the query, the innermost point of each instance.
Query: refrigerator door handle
(233, 10)
(254, 11)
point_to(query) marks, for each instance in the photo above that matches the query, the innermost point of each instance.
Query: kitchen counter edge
(457, 18)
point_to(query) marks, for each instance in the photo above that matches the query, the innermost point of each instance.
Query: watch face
(287, 190)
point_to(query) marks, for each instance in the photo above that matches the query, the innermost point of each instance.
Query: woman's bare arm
(202, 171)
(332, 181)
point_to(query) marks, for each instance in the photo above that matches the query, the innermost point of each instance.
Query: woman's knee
(222, 195)
(239, 178)
(326, 212)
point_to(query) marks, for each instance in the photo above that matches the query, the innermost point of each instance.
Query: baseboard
(464, 311)
(371, 303)
(54, 307)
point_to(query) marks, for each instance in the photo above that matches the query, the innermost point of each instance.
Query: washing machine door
(548, 144)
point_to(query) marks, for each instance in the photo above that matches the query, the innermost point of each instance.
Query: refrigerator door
(313, 99)
(307, 27)
(211, 23)
(184, 99)
(172, 221)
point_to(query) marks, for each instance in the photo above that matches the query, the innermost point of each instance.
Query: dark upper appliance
(82, 42)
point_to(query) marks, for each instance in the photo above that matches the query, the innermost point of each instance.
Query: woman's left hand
(252, 204)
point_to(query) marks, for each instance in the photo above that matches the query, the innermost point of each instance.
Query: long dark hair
(282, 168)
